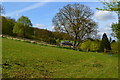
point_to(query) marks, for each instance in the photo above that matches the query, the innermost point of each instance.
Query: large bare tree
(75, 19)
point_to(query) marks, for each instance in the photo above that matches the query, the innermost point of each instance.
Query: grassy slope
(22, 59)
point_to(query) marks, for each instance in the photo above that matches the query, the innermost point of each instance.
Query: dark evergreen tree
(105, 44)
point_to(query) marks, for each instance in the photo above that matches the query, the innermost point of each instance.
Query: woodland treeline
(73, 23)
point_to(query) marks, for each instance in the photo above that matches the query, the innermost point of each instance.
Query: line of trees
(113, 5)
(20, 29)
(23, 28)
(104, 45)
(73, 22)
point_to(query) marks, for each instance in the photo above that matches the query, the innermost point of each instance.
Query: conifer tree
(105, 44)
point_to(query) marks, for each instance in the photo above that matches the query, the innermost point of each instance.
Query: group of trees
(97, 45)
(44, 35)
(23, 28)
(90, 45)
(7, 25)
(15, 28)
(73, 22)
(113, 5)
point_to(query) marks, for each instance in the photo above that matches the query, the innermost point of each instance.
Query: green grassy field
(26, 60)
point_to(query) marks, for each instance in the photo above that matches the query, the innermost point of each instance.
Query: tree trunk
(79, 43)
(118, 17)
(75, 41)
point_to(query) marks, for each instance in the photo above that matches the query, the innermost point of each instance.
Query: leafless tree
(75, 19)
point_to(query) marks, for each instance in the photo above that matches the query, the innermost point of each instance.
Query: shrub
(85, 46)
(58, 42)
(51, 41)
(115, 47)
(95, 45)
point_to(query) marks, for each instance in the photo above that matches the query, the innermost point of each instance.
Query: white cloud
(53, 27)
(39, 25)
(104, 15)
(106, 29)
(36, 5)
(17, 15)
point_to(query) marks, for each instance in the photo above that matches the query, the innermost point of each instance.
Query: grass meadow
(27, 60)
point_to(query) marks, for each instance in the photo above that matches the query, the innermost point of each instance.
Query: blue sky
(41, 13)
